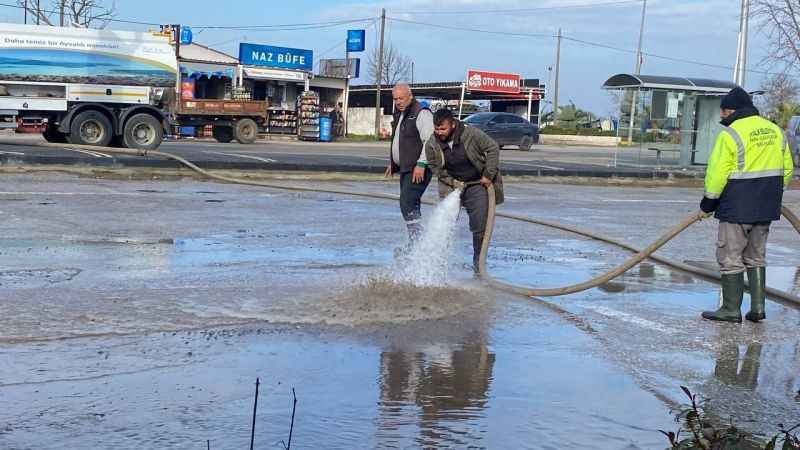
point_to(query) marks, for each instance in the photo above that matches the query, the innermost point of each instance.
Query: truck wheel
(245, 131)
(222, 134)
(143, 132)
(90, 128)
(51, 134)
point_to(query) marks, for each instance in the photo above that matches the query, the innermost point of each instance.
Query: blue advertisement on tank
(75, 66)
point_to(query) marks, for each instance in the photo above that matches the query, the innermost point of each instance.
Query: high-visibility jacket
(748, 169)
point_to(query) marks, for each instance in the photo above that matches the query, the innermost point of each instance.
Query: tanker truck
(105, 88)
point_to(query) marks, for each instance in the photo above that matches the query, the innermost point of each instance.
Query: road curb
(152, 163)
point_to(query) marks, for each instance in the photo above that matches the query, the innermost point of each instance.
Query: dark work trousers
(475, 200)
(410, 200)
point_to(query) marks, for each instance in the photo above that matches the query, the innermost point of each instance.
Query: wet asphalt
(138, 315)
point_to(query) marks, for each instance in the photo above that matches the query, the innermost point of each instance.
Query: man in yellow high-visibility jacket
(748, 170)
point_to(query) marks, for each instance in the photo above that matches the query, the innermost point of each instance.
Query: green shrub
(576, 131)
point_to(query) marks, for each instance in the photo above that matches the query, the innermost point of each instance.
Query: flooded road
(138, 315)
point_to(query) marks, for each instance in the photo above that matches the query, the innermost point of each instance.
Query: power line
(474, 30)
(339, 44)
(576, 40)
(287, 27)
(523, 10)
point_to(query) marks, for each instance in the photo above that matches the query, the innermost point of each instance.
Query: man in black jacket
(411, 128)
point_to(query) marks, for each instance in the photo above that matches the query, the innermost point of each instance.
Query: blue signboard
(355, 40)
(186, 35)
(277, 57)
(355, 73)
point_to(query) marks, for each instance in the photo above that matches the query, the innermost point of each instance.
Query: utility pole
(26, 12)
(638, 70)
(61, 12)
(555, 85)
(740, 68)
(412, 72)
(38, 12)
(346, 88)
(379, 76)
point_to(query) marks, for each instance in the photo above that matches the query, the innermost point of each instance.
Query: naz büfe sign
(276, 57)
(505, 83)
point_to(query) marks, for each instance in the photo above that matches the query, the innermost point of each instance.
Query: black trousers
(411, 196)
(475, 200)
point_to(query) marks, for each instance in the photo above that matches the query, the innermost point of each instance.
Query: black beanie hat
(737, 98)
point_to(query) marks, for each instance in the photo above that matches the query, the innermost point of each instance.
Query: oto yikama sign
(276, 57)
(506, 83)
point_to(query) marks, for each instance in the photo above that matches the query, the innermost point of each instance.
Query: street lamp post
(741, 46)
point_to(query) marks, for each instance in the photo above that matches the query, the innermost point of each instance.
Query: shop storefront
(278, 75)
(281, 89)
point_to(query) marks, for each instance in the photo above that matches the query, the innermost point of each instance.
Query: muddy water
(149, 333)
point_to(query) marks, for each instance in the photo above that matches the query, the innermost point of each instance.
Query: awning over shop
(197, 70)
(649, 82)
(275, 74)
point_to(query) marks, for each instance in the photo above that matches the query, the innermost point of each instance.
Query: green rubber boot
(732, 293)
(477, 243)
(757, 279)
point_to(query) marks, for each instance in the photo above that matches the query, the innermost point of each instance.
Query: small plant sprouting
(705, 436)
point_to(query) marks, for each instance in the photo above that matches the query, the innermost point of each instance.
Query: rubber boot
(757, 279)
(477, 242)
(732, 293)
(414, 232)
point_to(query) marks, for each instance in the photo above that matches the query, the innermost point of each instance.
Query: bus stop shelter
(665, 115)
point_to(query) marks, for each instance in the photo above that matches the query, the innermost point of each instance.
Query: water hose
(640, 255)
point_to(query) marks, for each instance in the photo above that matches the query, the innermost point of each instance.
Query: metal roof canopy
(649, 82)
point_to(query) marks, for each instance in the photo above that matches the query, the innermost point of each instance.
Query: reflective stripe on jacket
(748, 169)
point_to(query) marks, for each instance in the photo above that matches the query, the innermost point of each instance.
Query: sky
(440, 36)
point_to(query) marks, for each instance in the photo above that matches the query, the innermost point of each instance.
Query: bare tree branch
(396, 66)
(779, 102)
(76, 13)
(779, 21)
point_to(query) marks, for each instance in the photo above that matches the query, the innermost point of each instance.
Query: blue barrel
(325, 129)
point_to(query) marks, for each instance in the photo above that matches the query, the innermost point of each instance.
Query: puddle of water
(464, 383)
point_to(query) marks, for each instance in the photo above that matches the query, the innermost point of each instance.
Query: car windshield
(478, 118)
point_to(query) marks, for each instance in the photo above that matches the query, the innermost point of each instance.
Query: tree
(74, 13)
(396, 66)
(570, 116)
(779, 20)
(780, 100)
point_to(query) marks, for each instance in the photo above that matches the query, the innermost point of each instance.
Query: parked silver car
(793, 135)
(506, 128)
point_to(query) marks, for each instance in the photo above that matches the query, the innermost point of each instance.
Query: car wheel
(526, 143)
